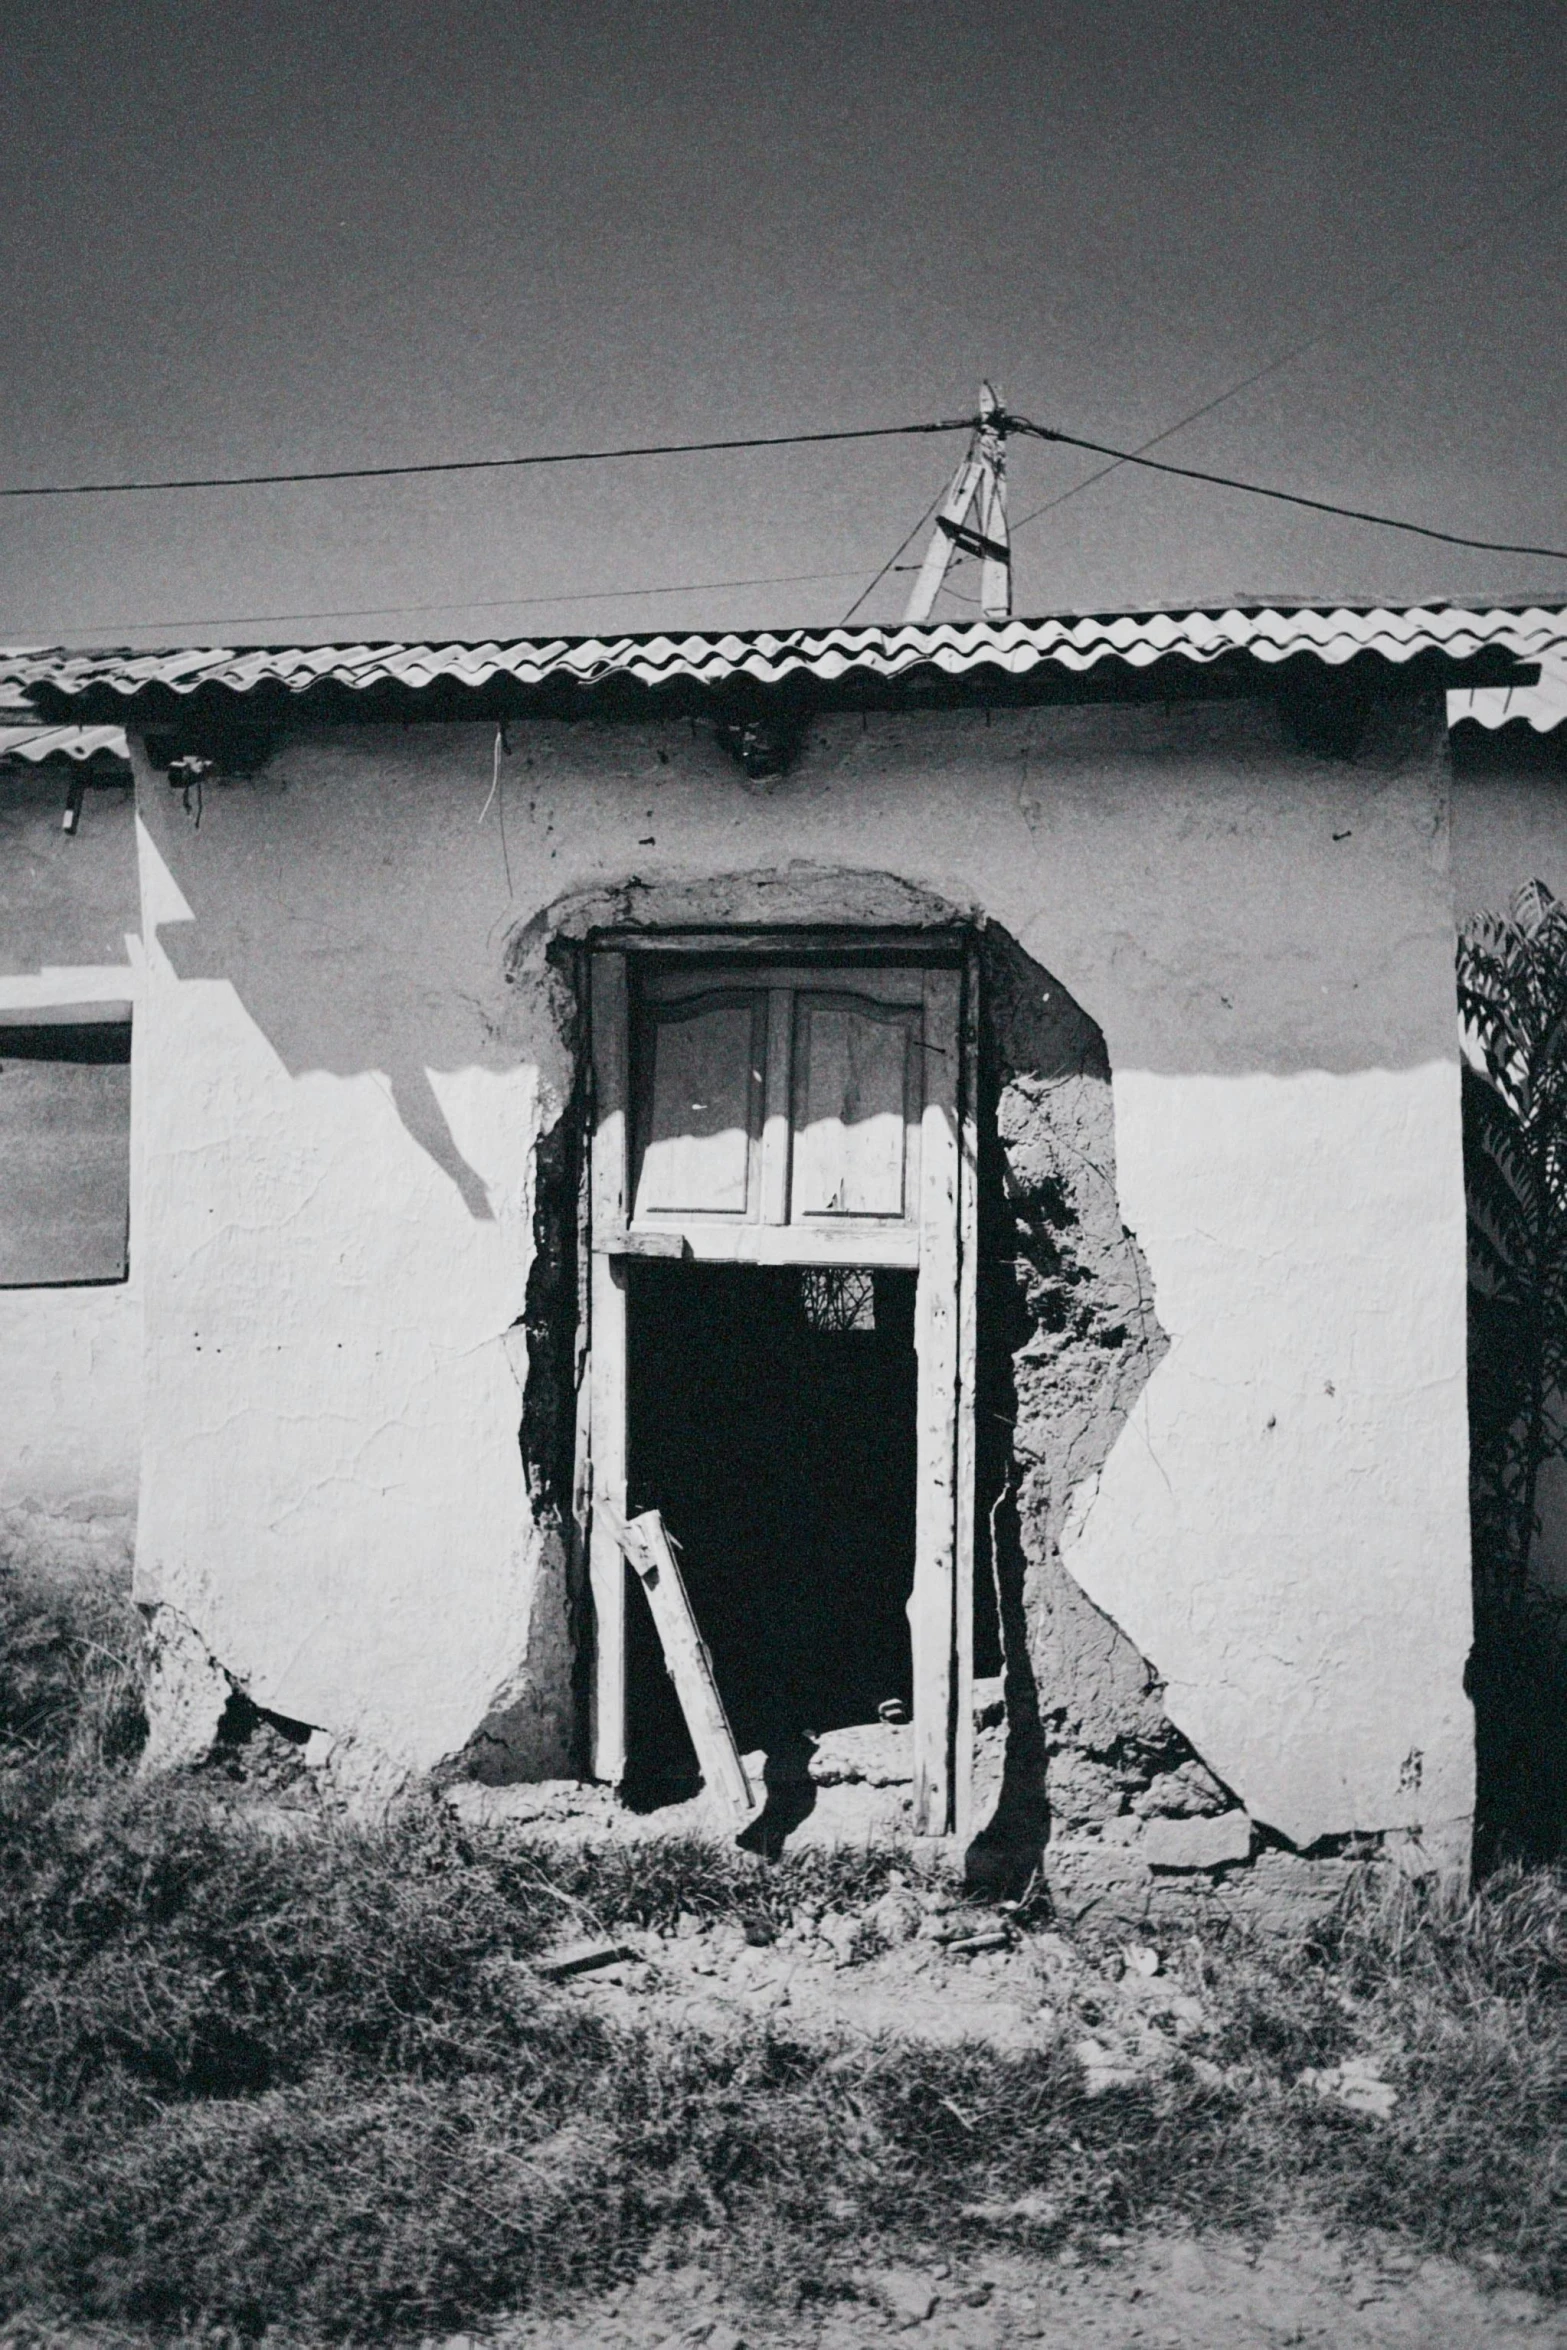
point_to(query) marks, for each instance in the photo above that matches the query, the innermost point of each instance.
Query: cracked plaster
(344, 1096)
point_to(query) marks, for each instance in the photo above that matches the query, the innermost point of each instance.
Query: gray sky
(250, 236)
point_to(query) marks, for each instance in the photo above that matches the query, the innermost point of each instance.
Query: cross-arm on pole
(979, 486)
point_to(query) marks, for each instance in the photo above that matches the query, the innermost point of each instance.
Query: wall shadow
(369, 959)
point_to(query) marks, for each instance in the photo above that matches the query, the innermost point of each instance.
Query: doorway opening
(772, 1419)
(781, 1310)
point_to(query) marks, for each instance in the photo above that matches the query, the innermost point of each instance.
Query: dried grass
(249, 2080)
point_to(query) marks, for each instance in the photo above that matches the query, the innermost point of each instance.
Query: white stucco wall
(1271, 1526)
(333, 1489)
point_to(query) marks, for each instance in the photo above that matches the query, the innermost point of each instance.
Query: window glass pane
(851, 1106)
(65, 1098)
(703, 1092)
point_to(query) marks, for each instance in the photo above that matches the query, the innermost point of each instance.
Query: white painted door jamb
(940, 1606)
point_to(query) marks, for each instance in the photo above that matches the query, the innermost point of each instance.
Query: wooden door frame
(941, 1607)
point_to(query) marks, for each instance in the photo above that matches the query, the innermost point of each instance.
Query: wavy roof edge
(770, 657)
(39, 744)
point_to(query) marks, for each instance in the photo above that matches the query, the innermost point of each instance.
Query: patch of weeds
(70, 1679)
(653, 1882)
(1278, 2008)
(312, 2082)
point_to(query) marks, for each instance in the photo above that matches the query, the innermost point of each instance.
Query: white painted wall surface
(333, 1489)
(70, 1400)
(1278, 1524)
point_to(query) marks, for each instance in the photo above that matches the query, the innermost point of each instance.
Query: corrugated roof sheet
(769, 657)
(62, 742)
(1541, 706)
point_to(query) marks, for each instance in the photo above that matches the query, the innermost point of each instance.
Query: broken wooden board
(582, 1958)
(646, 1545)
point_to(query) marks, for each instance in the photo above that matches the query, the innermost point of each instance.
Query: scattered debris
(1103, 2070)
(581, 1958)
(908, 2298)
(897, 1916)
(1357, 2084)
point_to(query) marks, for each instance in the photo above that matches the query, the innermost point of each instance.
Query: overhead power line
(1009, 422)
(240, 481)
(691, 587)
(892, 563)
(1255, 489)
(1326, 333)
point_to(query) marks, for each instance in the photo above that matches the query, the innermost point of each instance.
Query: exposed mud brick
(1285, 1892)
(1197, 1844)
(1068, 1338)
(1088, 1878)
(1189, 1792)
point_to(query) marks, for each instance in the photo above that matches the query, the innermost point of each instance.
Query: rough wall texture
(1068, 1337)
(1244, 960)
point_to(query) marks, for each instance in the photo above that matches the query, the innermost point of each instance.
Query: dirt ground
(1160, 2293)
(918, 1964)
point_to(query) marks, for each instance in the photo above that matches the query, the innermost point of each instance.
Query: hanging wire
(239, 481)
(1254, 489)
(891, 563)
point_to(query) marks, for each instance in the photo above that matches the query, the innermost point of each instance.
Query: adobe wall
(70, 1358)
(1229, 1159)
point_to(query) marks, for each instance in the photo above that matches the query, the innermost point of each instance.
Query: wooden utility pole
(979, 486)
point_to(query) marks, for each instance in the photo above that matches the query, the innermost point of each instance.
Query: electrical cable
(1326, 334)
(103, 628)
(1008, 422)
(1255, 489)
(891, 563)
(235, 481)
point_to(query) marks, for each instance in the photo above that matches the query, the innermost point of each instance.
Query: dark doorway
(771, 1418)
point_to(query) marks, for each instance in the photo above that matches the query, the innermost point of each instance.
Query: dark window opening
(772, 1420)
(65, 1105)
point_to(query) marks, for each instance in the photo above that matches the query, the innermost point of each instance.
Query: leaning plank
(647, 1546)
(581, 1958)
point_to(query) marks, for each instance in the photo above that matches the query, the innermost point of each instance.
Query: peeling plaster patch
(1272, 1571)
(186, 1693)
(1068, 1337)
(799, 893)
